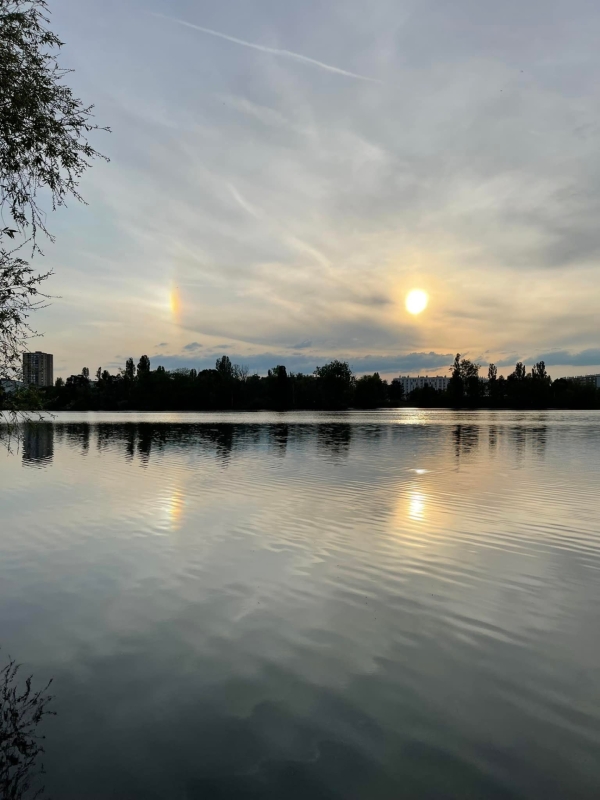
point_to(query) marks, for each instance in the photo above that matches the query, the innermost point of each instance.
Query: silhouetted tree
(470, 375)
(21, 711)
(456, 386)
(370, 392)
(280, 387)
(396, 393)
(464, 381)
(225, 371)
(516, 386)
(85, 373)
(520, 372)
(240, 372)
(493, 385)
(143, 367)
(335, 383)
(224, 367)
(539, 391)
(76, 381)
(538, 372)
(501, 390)
(129, 369)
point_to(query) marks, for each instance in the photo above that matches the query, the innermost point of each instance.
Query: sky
(282, 174)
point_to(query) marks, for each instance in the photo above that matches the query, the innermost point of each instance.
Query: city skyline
(282, 178)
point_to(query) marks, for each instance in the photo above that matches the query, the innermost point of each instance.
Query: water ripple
(375, 605)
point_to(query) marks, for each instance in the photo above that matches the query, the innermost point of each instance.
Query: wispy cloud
(584, 358)
(271, 50)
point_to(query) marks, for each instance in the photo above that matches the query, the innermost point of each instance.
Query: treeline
(520, 389)
(331, 387)
(227, 386)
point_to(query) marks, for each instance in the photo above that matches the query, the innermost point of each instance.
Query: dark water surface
(381, 605)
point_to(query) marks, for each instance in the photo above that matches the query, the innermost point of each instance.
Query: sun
(416, 301)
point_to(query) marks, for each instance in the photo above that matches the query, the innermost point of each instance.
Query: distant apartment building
(409, 383)
(594, 380)
(38, 369)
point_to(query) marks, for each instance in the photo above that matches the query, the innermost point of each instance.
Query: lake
(374, 605)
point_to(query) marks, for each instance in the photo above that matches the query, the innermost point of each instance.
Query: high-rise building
(38, 369)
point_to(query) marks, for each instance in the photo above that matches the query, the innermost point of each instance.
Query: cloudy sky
(282, 174)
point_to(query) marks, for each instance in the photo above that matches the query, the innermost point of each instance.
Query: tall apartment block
(38, 369)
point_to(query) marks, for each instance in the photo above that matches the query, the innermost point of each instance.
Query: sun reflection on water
(172, 509)
(416, 505)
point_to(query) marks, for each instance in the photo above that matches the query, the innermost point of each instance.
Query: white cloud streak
(271, 50)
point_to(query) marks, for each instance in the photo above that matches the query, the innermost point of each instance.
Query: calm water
(382, 605)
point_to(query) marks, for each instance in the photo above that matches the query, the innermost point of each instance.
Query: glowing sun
(416, 301)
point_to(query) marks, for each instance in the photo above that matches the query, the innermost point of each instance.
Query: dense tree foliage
(335, 385)
(43, 126)
(370, 391)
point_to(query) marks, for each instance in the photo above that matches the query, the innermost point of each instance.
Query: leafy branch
(21, 711)
(43, 126)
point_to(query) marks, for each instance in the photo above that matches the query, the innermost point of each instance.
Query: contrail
(272, 50)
